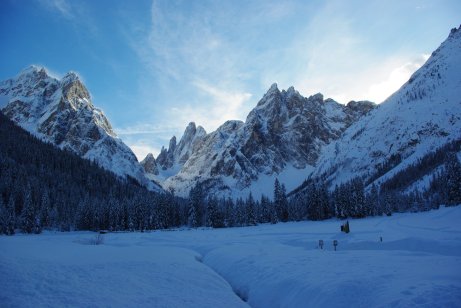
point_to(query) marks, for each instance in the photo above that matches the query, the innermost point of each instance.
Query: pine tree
(229, 212)
(195, 206)
(3, 216)
(10, 217)
(280, 201)
(273, 213)
(192, 217)
(45, 209)
(453, 180)
(250, 211)
(212, 213)
(265, 210)
(372, 205)
(28, 215)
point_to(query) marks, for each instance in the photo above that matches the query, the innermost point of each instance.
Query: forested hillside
(42, 186)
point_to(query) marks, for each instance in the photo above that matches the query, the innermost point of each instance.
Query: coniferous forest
(43, 187)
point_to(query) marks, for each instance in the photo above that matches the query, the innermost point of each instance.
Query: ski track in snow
(418, 263)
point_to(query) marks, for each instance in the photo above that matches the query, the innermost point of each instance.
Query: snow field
(418, 263)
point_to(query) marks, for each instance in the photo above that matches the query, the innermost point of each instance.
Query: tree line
(42, 187)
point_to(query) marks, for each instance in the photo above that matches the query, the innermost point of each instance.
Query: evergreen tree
(265, 210)
(9, 215)
(195, 206)
(45, 209)
(3, 216)
(240, 213)
(212, 213)
(229, 212)
(250, 211)
(280, 201)
(28, 215)
(453, 180)
(372, 205)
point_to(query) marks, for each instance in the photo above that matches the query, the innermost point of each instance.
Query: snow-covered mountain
(282, 136)
(423, 115)
(61, 112)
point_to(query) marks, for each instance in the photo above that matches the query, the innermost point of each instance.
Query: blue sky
(154, 66)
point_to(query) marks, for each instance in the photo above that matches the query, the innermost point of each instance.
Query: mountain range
(286, 136)
(293, 138)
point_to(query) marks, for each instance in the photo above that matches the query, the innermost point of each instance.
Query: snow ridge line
(240, 294)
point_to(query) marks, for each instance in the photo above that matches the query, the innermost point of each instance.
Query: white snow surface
(417, 264)
(423, 115)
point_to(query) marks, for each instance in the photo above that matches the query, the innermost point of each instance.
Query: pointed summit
(60, 112)
(150, 165)
(270, 94)
(73, 87)
(33, 72)
(274, 87)
(70, 77)
(272, 90)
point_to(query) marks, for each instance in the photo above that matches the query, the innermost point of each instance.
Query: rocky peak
(150, 165)
(33, 72)
(284, 129)
(172, 145)
(272, 94)
(316, 98)
(72, 85)
(179, 153)
(60, 112)
(455, 31)
(362, 107)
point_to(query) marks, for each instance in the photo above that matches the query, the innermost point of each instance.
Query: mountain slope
(61, 112)
(424, 114)
(282, 136)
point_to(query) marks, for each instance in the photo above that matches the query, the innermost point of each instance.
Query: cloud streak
(62, 7)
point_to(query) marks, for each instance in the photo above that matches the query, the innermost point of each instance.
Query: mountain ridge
(284, 131)
(339, 153)
(61, 112)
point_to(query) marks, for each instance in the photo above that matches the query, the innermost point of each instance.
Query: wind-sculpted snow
(61, 112)
(406, 260)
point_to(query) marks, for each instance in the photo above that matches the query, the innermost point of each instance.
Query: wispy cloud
(211, 61)
(144, 129)
(62, 7)
(75, 12)
(378, 92)
(225, 105)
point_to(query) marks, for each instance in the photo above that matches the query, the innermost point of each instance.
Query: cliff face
(285, 130)
(61, 112)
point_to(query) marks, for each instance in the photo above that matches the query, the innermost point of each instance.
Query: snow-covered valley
(417, 263)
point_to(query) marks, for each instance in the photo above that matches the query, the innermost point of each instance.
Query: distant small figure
(335, 243)
(345, 227)
(321, 244)
(381, 238)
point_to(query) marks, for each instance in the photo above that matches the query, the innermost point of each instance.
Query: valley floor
(418, 263)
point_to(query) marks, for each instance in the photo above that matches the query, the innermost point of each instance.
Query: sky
(155, 66)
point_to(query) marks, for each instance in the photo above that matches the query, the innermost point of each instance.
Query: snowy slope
(424, 114)
(416, 264)
(61, 112)
(282, 136)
